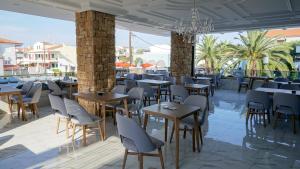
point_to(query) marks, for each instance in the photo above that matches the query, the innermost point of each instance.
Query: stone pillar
(181, 56)
(95, 39)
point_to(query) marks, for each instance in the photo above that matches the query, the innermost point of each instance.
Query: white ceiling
(158, 16)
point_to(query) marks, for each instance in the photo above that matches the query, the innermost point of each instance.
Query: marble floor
(228, 143)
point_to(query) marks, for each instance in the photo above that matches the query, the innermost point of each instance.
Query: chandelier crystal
(195, 26)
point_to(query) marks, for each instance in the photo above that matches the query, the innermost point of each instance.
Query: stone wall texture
(95, 39)
(181, 56)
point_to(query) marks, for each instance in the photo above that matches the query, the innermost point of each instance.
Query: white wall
(8, 52)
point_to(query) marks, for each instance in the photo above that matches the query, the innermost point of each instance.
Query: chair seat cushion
(113, 105)
(131, 107)
(285, 110)
(158, 143)
(92, 119)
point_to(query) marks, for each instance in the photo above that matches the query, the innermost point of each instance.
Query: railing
(42, 76)
(240, 72)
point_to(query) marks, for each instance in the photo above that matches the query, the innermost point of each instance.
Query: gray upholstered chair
(25, 90)
(136, 141)
(32, 98)
(242, 83)
(178, 93)
(55, 89)
(270, 85)
(120, 89)
(130, 84)
(289, 86)
(80, 117)
(188, 122)
(258, 103)
(3, 81)
(288, 105)
(211, 87)
(149, 93)
(135, 100)
(186, 80)
(281, 79)
(59, 109)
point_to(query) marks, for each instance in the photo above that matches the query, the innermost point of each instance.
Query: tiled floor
(228, 143)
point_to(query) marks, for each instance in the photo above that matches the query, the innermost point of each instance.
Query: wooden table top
(4, 90)
(98, 97)
(180, 110)
(272, 90)
(196, 86)
(294, 83)
(153, 74)
(154, 82)
(69, 82)
(260, 77)
(202, 78)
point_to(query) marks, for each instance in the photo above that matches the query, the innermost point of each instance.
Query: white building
(46, 57)
(8, 55)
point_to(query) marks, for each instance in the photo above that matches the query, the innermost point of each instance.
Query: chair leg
(184, 132)
(161, 158)
(84, 134)
(239, 90)
(264, 118)
(140, 157)
(100, 131)
(57, 125)
(67, 128)
(18, 107)
(269, 119)
(172, 133)
(294, 123)
(193, 139)
(35, 110)
(247, 116)
(139, 117)
(275, 121)
(73, 133)
(200, 134)
(125, 158)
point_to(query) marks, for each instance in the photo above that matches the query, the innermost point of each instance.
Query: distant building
(46, 57)
(8, 55)
(288, 35)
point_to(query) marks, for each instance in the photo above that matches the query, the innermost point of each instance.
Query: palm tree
(211, 52)
(255, 46)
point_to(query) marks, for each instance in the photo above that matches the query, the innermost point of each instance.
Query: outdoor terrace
(228, 142)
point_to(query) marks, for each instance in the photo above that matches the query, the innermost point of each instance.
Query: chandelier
(189, 29)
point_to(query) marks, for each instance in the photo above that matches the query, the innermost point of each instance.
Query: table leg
(207, 97)
(22, 107)
(146, 120)
(177, 123)
(196, 128)
(158, 94)
(126, 107)
(251, 83)
(104, 119)
(70, 91)
(166, 129)
(170, 97)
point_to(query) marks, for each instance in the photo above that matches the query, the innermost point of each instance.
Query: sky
(29, 29)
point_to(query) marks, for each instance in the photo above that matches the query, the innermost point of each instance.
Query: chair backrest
(204, 81)
(130, 84)
(289, 86)
(148, 90)
(77, 111)
(131, 76)
(57, 103)
(296, 80)
(270, 85)
(54, 88)
(186, 80)
(240, 79)
(133, 136)
(13, 80)
(3, 81)
(286, 100)
(179, 91)
(171, 79)
(26, 87)
(258, 97)
(200, 101)
(281, 79)
(120, 89)
(37, 88)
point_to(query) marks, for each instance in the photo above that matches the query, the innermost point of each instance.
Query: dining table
(159, 84)
(102, 99)
(254, 78)
(7, 91)
(175, 112)
(70, 84)
(274, 90)
(199, 88)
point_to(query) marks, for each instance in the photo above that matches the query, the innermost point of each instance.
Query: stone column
(181, 56)
(95, 39)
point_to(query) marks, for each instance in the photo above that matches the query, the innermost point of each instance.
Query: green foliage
(124, 59)
(137, 61)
